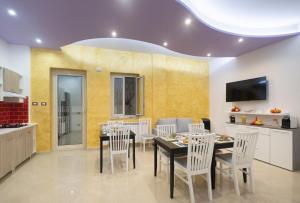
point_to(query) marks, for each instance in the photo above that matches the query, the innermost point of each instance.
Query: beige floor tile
(73, 176)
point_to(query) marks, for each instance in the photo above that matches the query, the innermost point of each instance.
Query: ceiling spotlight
(38, 40)
(209, 54)
(165, 44)
(12, 12)
(188, 21)
(240, 40)
(114, 34)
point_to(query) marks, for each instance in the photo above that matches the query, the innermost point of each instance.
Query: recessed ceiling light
(240, 40)
(38, 40)
(11, 12)
(188, 21)
(208, 54)
(165, 44)
(114, 34)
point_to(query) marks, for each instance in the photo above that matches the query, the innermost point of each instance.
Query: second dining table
(175, 150)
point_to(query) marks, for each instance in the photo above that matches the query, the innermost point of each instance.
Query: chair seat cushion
(225, 157)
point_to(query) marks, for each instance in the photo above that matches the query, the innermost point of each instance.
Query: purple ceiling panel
(61, 22)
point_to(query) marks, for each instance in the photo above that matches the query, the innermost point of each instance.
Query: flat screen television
(247, 90)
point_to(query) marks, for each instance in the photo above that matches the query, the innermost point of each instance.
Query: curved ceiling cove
(56, 23)
(248, 17)
(132, 45)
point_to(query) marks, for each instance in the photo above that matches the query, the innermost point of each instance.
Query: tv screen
(247, 90)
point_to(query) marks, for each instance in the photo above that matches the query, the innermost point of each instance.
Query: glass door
(70, 111)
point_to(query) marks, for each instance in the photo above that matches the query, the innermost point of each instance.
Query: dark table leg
(133, 152)
(155, 158)
(213, 171)
(171, 175)
(101, 155)
(245, 175)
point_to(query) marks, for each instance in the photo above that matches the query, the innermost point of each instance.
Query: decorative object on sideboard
(243, 119)
(257, 121)
(275, 110)
(235, 109)
(232, 118)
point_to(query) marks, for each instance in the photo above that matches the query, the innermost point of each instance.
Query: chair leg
(250, 171)
(112, 163)
(144, 142)
(191, 188)
(208, 180)
(159, 162)
(236, 181)
(126, 162)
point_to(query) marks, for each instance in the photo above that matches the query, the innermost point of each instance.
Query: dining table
(105, 137)
(174, 150)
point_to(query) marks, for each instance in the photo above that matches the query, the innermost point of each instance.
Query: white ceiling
(249, 17)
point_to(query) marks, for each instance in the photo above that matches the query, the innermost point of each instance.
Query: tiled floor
(73, 176)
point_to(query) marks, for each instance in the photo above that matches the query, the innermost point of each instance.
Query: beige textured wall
(174, 87)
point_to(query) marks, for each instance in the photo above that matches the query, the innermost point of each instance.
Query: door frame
(54, 75)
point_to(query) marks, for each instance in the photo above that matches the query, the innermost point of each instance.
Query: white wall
(16, 58)
(280, 62)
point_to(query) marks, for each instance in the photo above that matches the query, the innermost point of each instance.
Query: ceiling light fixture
(240, 40)
(165, 44)
(11, 12)
(188, 21)
(38, 40)
(209, 54)
(114, 34)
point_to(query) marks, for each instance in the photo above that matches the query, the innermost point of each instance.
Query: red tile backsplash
(14, 112)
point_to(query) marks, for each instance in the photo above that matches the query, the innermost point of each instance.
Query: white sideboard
(279, 147)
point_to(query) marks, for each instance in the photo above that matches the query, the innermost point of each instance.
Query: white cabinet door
(282, 148)
(263, 147)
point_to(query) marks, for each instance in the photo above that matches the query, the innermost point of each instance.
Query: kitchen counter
(9, 130)
(262, 126)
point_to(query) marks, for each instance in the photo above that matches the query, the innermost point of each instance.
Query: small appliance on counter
(289, 122)
(232, 119)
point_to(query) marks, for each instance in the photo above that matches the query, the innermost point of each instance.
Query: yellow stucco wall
(174, 87)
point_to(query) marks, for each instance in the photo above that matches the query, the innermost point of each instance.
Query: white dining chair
(164, 131)
(119, 143)
(198, 161)
(145, 131)
(115, 123)
(196, 128)
(241, 157)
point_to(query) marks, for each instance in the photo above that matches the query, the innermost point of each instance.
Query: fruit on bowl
(257, 121)
(235, 109)
(275, 110)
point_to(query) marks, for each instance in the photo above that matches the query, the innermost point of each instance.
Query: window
(128, 95)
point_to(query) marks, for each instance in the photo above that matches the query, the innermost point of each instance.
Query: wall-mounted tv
(247, 90)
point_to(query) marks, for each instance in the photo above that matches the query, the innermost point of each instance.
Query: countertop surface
(9, 130)
(262, 126)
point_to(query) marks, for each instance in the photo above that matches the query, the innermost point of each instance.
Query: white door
(69, 110)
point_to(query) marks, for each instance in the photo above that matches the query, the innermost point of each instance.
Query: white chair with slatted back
(196, 128)
(119, 143)
(114, 124)
(241, 157)
(198, 161)
(164, 131)
(145, 131)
